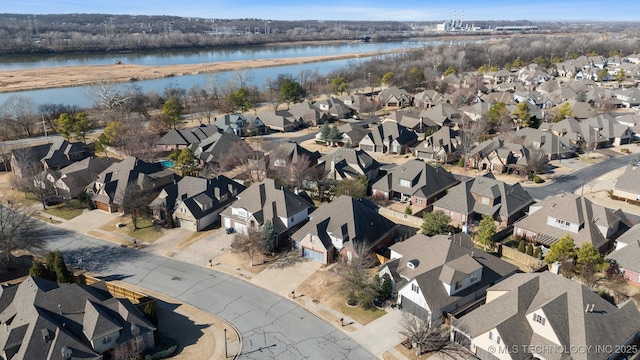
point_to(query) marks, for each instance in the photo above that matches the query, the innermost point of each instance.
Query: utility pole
(44, 126)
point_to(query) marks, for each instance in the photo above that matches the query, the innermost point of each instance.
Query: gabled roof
(508, 199)
(608, 127)
(355, 133)
(563, 302)
(82, 173)
(547, 142)
(268, 200)
(60, 151)
(441, 114)
(349, 163)
(426, 180)
(347, 218)
(627, 253)
(393, 92)
(629, 180)
(131, 170)
(293, 152)
(443, 258)
(41, 317)
(576, 210)
(216, 147)
(188, 136)
(391, 131)
(446, 139)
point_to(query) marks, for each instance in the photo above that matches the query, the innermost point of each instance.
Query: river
(80, 96)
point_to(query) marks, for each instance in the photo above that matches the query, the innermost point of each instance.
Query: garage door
(413, 308)
(188, 224)
(368, 148)
(313, 255)
(227, 222)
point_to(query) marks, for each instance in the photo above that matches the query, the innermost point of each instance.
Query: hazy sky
(407, 10)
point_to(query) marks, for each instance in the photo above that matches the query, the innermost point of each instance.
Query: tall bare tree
(21, 110)
(431, 336)
(248, 243)
(18, 231)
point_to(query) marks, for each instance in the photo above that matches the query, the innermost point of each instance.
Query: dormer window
(415, 288)
(405, 183)
(562, 224)
(494, 337)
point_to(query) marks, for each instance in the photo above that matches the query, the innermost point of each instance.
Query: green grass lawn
(68, 210)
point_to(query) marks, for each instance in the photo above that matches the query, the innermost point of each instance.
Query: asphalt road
(271, 327)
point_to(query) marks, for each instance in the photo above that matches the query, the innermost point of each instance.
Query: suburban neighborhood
(380, 221)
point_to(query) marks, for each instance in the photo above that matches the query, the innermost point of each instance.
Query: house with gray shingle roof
(394, 97)
(626, 186)
(268, 201)
(551, 145)
(413, 121)
(308, 113)
(195, 203)
(345, 163)
(580, 134)
(427, 99)
(62, 153)
(627, 254)
(110, 188)
(182, 138)
(546, 316)
(73, 179)
(415, 182)
(341, 227)
(282, 121)
(629, 97)
(570, 214)
(42, 319)
(439, 275)
(615, 133)
(217, 147)
(335, 108)
(484, 195)
(388, 137)
(443, 146)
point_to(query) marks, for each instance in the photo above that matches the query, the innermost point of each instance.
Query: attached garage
(188, 224)
(313, 255)
(367, 148)
(413, 308)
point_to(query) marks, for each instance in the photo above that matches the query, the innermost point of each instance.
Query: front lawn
(147, 231)
(67, 210)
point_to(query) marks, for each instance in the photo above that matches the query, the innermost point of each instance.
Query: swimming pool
(167, 163)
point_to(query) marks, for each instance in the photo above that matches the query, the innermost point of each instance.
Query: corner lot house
(567, 213)
(543, 315)
(41, 318)
(627, 254)
(627, 185)
(338, 228)
(268, 201)
(438, 275)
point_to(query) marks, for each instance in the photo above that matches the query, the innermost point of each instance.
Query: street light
(225, 344)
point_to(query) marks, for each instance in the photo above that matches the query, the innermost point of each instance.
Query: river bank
(48, 78)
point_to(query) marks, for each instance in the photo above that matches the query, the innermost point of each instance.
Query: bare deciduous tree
(430, 335)
(248, 243)
(18, 231)
(357, 282)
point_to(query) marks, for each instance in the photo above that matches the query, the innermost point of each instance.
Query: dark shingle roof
(426, 180)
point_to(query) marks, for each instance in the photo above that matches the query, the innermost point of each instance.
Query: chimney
(263, 194)
(592, 306)
(586, 309)
(274, 209)
(216, 192)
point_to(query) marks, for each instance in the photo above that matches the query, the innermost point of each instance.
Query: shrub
(408, 211)
(537, 179)
(522, 246)
(461, 162)
(529, 250)
(537, 252)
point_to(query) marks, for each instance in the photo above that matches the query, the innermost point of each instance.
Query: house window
(474, 277)
(562, 224)
(484, 200)
(280, 162)
(106, 339)
(405, 183)
(494, 337)
(458, 285)
(419, 201)
(415, 288)
(537, 318)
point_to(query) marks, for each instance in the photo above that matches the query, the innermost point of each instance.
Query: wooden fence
(522, 258)
(399, 216)
(138, 299)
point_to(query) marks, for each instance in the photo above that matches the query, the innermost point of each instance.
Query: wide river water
(80, 95)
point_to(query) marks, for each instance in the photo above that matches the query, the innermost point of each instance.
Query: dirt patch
(240, 262)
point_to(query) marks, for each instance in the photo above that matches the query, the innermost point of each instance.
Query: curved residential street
(272, 327)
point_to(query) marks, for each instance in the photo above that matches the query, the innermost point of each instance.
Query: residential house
(443, 114)
(351, 134)
(109, 191)
(345, 226)
(615, 133)
(477, 110)
(427, 99)
(335, 108)
(218, 147)
(415, 182)
(26, 162)
(627, 186)
(632, 121)
(534, 99)
(355, 101)
(551, 145)
(546, 316)
(499, 96)
(292, 162)
(570, 214)
(394, 97)
(195, 203)
(499, 155)
(279, 121)
(581, 134)
(239, 124)
(629, 97)
(45, 320)
(308, 113)
(182, 138)
(439, 275)
(62, 153)
(443, 146)
(413, 121)
(347, 163)
(388, 137)
(268, 201)
(627, 255)
(468, 201)
(72, 180)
